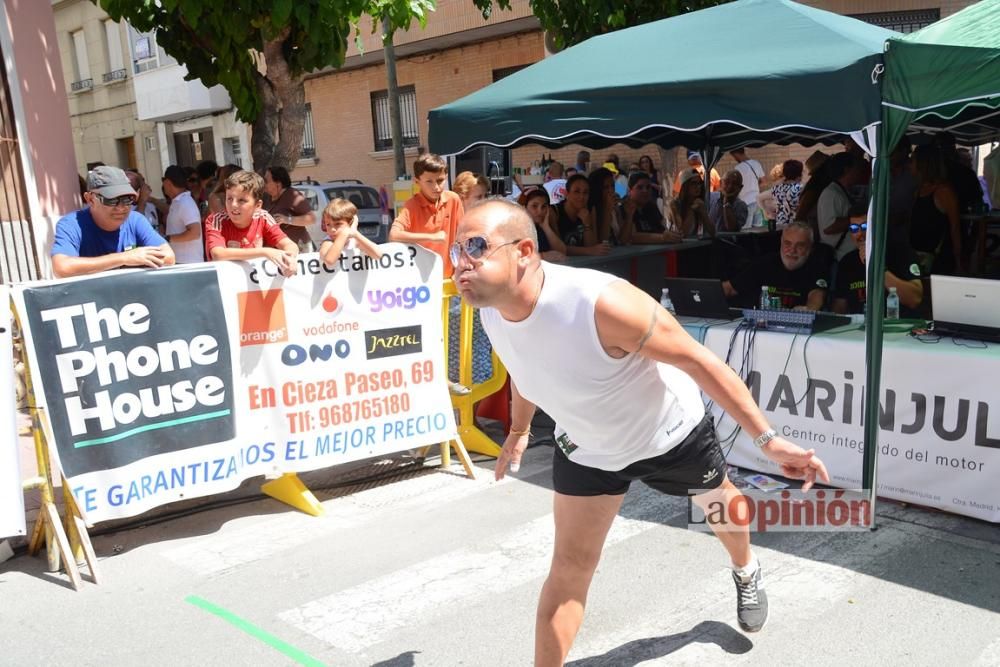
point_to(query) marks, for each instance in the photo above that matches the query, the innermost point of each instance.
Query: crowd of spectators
(820, 208)
(211, 212)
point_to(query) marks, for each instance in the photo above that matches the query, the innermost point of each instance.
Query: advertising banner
(182, 382)
(11, 493)
(940, 414)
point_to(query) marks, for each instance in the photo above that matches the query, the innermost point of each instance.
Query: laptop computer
(700, 297)
(966, 307)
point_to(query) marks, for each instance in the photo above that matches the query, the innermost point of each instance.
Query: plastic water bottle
(666, 302)
(765, 297)
(892, 305)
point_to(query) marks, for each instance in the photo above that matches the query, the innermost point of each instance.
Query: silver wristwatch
(765, 437)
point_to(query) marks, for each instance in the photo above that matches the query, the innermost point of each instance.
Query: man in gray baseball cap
(107, 233)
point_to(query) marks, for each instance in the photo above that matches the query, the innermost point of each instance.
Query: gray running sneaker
(751, 600)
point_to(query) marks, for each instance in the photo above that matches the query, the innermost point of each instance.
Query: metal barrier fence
(466, 393)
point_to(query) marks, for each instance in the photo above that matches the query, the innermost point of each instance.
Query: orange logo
(262, 317)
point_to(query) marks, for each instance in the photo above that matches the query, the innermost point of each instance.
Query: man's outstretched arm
(630, 321)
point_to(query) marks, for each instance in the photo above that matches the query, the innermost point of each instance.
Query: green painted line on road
(252, 630)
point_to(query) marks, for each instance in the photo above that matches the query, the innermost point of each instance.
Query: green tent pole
(875, 313)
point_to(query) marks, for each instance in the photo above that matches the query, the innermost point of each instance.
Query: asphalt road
(436, 569)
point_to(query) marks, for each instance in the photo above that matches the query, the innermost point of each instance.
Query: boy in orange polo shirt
(429, 218)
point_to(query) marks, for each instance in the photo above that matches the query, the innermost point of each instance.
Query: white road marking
(363, 615)
(990, 655)
(247, 540)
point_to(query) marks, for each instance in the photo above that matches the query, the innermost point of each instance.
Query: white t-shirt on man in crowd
(834, 203)
(752, 172)
(183, 212)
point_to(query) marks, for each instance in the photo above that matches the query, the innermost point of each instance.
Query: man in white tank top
(621, 379)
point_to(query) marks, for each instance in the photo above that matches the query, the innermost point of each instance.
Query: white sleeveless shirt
(617, 411)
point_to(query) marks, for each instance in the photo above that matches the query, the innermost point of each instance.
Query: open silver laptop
(967, 307)
(700, 297)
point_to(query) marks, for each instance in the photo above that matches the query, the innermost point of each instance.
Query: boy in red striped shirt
(243, 230)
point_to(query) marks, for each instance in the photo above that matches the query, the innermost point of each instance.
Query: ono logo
(295, 355)
(402, 297)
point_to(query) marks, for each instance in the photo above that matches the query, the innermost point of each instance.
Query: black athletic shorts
(696, 463)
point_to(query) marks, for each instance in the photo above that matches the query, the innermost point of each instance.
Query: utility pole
(395, 123)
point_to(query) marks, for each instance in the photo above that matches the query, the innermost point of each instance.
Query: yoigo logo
(402, 297)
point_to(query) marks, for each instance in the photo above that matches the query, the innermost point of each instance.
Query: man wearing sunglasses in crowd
(902, 272)
(623, 381)
(107, 233)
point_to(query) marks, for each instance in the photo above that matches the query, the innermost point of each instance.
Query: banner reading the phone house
(182, 382)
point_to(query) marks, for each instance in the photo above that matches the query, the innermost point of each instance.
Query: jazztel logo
(262, 317)
(403, 297)
(393, 342)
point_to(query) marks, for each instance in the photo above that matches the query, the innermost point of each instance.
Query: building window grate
(85, 84)
(408, 118)
(308, 135)
(116, 75)
(901, 21)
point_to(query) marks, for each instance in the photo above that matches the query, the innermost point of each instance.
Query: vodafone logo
(332, 305)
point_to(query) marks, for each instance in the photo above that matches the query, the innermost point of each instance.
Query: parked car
(372, 222)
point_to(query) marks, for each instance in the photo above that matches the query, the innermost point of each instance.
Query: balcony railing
(83, 84)
(115, 75)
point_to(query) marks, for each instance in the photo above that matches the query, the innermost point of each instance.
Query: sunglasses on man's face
(863, 227)
(117, 202)
(475, 247)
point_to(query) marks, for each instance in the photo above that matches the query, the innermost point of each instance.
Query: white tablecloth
(940, 436)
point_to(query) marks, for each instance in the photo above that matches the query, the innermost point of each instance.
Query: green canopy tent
(945, 77)
(814, 76)
(695, 80)
(811, 77)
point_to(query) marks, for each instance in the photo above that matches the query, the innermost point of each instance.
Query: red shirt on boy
(220, 232)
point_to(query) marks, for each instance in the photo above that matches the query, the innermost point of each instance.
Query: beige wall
(104, 116)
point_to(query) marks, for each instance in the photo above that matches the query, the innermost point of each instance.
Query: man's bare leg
(751, 598)
(735, 538)
(582, 524)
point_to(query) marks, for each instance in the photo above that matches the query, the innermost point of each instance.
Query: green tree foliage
(261, 50)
